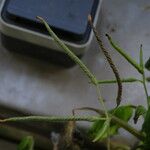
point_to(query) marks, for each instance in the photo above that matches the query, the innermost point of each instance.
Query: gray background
(37, 87)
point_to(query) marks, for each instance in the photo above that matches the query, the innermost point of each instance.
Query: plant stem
(127, 127)
(69, 52)
(145, 89)
(143, 75)
(52, 119)
(125, 55)
(127, 80)
(108, 119)
(102, 101)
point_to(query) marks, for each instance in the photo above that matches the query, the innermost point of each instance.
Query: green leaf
(141, 58)
(146, 129)
(147, 64)
(122, 112)
(103, 131)
(27, 143)
(140, 111)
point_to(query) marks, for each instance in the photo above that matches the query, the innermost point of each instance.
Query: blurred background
(32, 86)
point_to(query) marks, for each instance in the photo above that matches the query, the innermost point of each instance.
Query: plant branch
(52, 119)
(143, 76)
(125, 55)
(102, 101)
(69, 52)
(127, 80)
(128, 128)
(145, 89)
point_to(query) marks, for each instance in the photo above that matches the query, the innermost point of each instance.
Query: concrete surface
(34, 86)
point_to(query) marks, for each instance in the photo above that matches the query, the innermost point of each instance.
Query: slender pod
(109, 60)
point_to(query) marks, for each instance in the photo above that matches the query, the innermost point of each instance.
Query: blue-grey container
(23, 33)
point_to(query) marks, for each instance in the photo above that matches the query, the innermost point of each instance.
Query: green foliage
(27, 143)
(123, 112)
(102, 131)
(139, 111)
(99, 129)
(146, 130)
(147, 64)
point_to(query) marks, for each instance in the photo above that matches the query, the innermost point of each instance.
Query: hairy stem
(125, 55)
(52, 119)
(143, 75)
(145, 89)
(127, 80)
(69, 52)
(102, 101)
(129, 128)
(108, 119)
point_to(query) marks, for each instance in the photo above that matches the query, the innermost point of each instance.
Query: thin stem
(69, 52)
(52, 119)
(108, 139)
(125, 55)
(127, 80)
(89, 109)
(106, 114)
(145, 89)
(129, 128)
(102, 101)
(143, 75)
